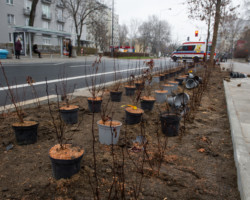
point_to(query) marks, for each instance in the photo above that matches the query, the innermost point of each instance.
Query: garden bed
(197, 164)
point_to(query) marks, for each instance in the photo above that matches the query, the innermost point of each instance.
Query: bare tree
(99, 29)
(133, 31)
(154, 33)
(79, 11)
(123, 34)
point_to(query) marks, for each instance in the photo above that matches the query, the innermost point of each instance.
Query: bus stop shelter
(29, 30)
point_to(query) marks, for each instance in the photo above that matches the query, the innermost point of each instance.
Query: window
(45, 10)
(186, 48)
(28, 4)
(59, 27)
(9, 2)
(59, 14)
(46, 24)
(27, 21)
(11, 19)
(46, 40)
(10, 37)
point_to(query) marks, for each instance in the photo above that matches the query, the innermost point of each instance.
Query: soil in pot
(109, 131)
(168, 87)
(129, 90)
(65, 162)
(116, 96)
(147, 103)
(94, 104)
(161, 96)
(26, 133)
(133, 116)
(170, 124)
(175, 83)
(69, 114)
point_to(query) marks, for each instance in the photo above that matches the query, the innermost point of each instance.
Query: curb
(28, 104)
(241, 154)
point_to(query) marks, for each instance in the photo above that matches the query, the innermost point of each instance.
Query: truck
(191, 51)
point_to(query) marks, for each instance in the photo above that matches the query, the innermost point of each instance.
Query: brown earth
(197, 165)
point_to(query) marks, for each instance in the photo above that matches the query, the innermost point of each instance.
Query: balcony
(26, 11)
(61, 19)
(46, 16)
(60, 5)
(47, 1)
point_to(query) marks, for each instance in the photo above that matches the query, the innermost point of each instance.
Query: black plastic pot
(172, 74)
(180, 80)
(162, 77)
(133, 118)
(70, 116)
(147, 104)
(170, 124)
(94, 105)
(65, 168)
(139, 86)
(116, 96)
(25, 134)
(167, 76)
(130, 91)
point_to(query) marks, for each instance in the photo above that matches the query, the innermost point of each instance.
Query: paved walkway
(238, 105)
(48, 59)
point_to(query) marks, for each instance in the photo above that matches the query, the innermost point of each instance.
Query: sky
(173, 11)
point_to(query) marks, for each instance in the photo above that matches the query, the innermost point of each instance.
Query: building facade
(52, 22)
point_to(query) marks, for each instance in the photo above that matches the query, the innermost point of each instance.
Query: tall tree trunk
(33, 12)
(78, 44)
(208, 36)
(216, 27)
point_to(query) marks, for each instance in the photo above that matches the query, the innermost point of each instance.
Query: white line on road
(59, 63)
(68, 79)
(80, 66)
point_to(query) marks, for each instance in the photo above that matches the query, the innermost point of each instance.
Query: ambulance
(191, 51)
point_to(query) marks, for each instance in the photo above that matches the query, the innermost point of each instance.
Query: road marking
(80, 66)
(69, 79)
(59, 63)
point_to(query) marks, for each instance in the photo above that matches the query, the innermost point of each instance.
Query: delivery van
(191, 51)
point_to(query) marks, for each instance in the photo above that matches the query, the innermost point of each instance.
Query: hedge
(126, 54)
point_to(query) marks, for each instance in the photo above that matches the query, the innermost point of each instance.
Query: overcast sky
(174, 11)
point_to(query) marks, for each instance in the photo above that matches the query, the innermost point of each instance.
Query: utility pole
(112, 31)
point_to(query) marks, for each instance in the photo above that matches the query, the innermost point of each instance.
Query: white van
(191, 51)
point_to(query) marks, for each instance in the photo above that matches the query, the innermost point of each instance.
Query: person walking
(18, 48)
(35, 50)
(70, 49)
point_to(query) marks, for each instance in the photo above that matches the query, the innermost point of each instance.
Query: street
(73, 74)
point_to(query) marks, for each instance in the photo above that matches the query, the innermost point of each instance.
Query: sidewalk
(48, 59)
(237, 93)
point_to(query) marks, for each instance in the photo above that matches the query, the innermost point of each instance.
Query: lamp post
(112, 31)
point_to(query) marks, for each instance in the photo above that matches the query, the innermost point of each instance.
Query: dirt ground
(198, 164)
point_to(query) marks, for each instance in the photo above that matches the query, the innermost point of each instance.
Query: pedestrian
(18, 48)
(35, 50)
(70, 48)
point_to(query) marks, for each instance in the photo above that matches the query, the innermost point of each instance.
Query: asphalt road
(74, 74)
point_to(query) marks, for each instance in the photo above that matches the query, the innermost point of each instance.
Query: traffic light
(196, 33)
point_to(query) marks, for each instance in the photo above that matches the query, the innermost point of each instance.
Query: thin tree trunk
(216, 27)
(208, 36)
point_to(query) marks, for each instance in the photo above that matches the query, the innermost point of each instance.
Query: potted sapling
(109, 129)
(116, 92)
(147, 101)
(65, 158)
(130, 86)
(68, 112)
(95, 87)
(25, 131)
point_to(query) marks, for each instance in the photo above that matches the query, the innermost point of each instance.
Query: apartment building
(51, 26)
